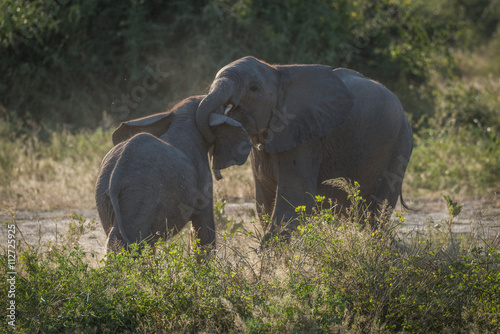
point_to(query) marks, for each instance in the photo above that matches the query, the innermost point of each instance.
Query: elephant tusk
(228, 109)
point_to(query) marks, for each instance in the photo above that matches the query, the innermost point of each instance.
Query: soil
(479, 215)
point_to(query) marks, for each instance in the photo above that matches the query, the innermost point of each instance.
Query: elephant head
(229, 144)
(280, 106)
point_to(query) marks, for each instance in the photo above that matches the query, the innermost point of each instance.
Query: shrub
(334, 275)
(71, 61)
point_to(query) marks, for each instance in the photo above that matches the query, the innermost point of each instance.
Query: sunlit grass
(59, 172)
(459, 161)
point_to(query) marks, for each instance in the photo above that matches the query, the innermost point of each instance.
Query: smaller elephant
(157, 176)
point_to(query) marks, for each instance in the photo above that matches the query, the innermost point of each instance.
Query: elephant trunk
(221, 92)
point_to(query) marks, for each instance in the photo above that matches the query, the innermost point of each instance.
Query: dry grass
(57, 173)
(61, 171)
(237, 183)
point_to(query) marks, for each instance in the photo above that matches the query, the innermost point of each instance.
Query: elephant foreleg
(296, 186)
(284, 218)
(263, 168)
(204, 227)
(265, 194)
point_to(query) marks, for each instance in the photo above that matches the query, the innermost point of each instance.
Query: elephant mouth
(240, 114)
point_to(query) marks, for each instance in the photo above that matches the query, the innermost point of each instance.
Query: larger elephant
(308, 124)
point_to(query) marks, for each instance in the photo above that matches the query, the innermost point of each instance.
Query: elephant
(157, 176)
(309, 124)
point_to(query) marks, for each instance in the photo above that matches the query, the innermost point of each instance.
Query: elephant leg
(297, 186)
(389, 188)
(106, 214)
(263, 169)
(284, 216)
(204, 226)
(265, 194)
(115, 241)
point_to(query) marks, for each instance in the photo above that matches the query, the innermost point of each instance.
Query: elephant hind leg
(385, 197)
(137, 233)
(115, 241)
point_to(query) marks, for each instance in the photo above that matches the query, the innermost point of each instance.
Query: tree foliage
(81, 62)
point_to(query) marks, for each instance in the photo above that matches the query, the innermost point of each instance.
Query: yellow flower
(301, 208)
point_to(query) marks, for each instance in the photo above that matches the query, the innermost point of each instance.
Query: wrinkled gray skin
(157, 176)
(308, 124)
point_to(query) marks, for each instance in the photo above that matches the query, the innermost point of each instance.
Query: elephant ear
(156, 125)
(314, 101)
(231, 145)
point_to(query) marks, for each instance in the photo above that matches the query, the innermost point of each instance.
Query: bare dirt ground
(480, 216)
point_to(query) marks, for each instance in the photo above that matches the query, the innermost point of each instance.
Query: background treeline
(67, 61)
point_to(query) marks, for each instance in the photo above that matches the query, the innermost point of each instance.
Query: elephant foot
(115, 242)
(273, 238)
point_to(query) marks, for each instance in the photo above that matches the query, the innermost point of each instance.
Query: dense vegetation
(67, 61)
(333, 277)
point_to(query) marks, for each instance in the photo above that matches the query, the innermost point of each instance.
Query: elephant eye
(254, 87)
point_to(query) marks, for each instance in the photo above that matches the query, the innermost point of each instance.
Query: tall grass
(456, 160)
(59, 172)
(333, 276)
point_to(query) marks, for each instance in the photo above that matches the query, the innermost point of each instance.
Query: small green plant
(454, 208)
(78, 226)
(222, 221)
(330, 276)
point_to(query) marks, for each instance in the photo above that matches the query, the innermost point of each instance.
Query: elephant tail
(405, 205)
(113, 195)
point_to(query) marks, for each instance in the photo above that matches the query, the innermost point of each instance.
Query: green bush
(334, 275)
(71, 61)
